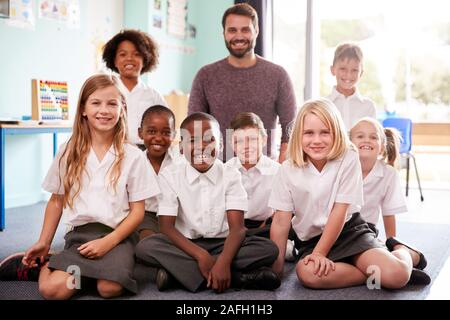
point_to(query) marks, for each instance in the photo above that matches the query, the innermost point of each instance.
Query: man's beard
(240, 53)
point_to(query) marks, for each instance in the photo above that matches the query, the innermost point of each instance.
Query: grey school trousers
(158, 251)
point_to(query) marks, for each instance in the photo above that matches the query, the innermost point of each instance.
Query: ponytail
(391, 153)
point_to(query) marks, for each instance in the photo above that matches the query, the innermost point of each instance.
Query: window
(289, 37)
(406, 48)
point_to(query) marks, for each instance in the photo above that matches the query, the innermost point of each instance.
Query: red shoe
(12, 269)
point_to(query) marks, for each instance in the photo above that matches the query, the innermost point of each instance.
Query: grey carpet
(23, 226)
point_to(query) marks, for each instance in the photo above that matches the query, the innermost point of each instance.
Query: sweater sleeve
(198, 101)
(286, 105)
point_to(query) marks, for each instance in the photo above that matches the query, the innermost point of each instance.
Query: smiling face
(240, 35)
(347, 73)
(317, 140)
(157, 132)
(248, 145)
(128, 60)
(103, 109)
(200, 142)
(366, 138)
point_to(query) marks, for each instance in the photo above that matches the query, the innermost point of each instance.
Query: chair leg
(417, 175)
(407, 175)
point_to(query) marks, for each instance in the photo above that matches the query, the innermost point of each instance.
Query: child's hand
(205, 264)
(95, 249)
(322, 265)
(37, 250)
(220, 277)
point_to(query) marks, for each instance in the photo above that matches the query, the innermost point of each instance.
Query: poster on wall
(177, 18)
(21, 14)
(67, 11)
(157, 4)
(157, 21)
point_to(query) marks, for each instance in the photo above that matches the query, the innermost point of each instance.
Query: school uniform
(139, 99)
(257, 182)
(353, 108)
(150, 221)
(310, 196)
(200, 201)
(98, 210)
(382, 193)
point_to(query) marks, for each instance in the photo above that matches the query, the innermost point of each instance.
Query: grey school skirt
(356, 237)
(150, 222)
(117, 265)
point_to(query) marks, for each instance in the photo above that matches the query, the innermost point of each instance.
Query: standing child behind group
(132, 53)
(100, 182)
(157, 130)
(378, 151)
(321, 185)
(201, 217)
(348, 68)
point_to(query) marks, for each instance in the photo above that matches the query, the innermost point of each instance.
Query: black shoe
(392, 242)
(12, 269)
(260, 279)
(164, 280)
(419, 277)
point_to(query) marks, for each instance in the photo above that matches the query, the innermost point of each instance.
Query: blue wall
(54, 52)
(50, 51)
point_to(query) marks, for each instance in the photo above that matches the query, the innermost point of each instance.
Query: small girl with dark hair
(132, 53)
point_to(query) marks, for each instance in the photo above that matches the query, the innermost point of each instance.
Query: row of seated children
(203, 242)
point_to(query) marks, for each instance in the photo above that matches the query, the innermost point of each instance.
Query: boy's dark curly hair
(143, 43)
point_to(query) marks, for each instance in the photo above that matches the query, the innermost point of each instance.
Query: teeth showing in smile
(201, 158)
(129, 66)
(365, 148)
(103, 119)
(157, 147)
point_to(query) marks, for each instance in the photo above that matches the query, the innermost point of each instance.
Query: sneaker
(290, 251)
(419, 277)
(260, 279)
(12, 269)
(164, 280)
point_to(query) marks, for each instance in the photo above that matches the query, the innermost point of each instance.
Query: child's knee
(395, 276)
(109, 289)
(55, 289)
(306, 276)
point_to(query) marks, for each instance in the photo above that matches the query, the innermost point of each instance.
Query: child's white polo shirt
(353, 108)
(257, 182)
(311, 194)
(98, 201)
(382, 193)
(200, 200)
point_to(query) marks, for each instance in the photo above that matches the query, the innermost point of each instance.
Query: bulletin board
(49, 100)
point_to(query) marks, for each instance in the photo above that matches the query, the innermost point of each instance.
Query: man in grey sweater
(245, 82)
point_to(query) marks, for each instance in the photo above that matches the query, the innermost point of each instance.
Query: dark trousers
(158, 251)
(254, 228)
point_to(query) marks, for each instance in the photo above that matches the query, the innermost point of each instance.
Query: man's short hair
(242, 9)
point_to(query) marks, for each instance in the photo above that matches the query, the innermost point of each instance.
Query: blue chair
(404, 126)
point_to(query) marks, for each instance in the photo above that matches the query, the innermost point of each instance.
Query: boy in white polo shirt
(257, 170)
(348, 68)
(201, 218)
